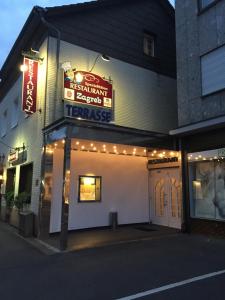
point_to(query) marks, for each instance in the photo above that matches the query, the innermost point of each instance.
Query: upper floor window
(4, 123)
(149, 44)
(205, 3)
(15, 113)
(212, 71)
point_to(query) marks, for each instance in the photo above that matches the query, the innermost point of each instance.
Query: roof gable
(34, 23)
(102, 3)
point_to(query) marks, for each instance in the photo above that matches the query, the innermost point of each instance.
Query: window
(149, 44)
(4, 124)
(89, 188)
(15, 113)
(212, 71)
(205, 3)
(207, 184)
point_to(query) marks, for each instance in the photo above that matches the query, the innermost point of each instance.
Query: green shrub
(9, 198)
(22, 199)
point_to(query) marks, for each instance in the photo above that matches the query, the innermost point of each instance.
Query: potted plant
(26, 221)
(9, 199)
(22, 200)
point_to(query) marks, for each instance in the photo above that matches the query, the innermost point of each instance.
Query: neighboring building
(98, 124)
(200, 35)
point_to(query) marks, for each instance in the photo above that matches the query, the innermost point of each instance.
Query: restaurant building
(98, 96)
(200, 34)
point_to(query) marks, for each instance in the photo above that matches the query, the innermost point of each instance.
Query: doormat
(145, 228)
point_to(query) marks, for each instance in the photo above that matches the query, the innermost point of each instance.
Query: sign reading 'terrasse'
(87, 88)
(29, 91)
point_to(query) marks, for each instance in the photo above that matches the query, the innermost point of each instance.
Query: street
(113, 272)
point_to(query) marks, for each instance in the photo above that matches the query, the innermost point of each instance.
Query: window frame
(100, 192)
(4, 121)
(202, 9)
(146, 35)
(15, 111)
(201, 74)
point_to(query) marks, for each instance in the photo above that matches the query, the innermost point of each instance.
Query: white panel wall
(28, 130)
(142, 98)
(124, 189)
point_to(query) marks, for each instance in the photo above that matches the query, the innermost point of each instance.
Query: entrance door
(26, 176)
(165, 197)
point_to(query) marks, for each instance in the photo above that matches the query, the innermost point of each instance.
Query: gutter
(41, 12)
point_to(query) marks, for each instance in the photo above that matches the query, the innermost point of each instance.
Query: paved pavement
(84, 239)
(112, 272)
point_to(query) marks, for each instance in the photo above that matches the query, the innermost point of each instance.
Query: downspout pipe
(41, 12)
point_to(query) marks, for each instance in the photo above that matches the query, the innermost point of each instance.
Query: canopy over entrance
(70, 128)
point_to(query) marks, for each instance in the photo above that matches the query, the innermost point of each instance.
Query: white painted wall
(124, 189)
(27, 131)
(142, 97)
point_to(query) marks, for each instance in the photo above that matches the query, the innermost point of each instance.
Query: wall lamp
(103, 57)
(32, 54)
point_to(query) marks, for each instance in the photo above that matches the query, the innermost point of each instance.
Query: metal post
(185, 196)
(40, 229)
(65, 206)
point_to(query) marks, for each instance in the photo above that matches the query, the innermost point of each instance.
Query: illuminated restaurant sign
(87, 88)
(17, 157)
(88, 113)
(13, 156)
(29, 93)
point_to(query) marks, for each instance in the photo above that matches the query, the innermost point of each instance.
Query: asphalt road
(112, 272)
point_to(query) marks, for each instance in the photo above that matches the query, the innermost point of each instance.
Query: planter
(14, 217)
(7, 214)
(26, 224)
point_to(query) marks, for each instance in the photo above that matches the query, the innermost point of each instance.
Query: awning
(107, 133)
(199, 127)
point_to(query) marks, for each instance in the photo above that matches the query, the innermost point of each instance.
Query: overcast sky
(13, 14)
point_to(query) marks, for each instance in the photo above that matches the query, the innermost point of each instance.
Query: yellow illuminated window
(89, 188)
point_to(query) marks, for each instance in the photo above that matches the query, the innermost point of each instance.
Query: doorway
(11, 178)
(165, 197)
(26, 176)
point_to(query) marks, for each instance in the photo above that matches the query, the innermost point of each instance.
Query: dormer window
(149, 44)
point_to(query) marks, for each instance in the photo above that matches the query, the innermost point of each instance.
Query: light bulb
(23, 68)
(79, 77)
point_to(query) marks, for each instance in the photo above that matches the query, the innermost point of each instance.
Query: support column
(185, 183)
(65, 206)
(44, 205)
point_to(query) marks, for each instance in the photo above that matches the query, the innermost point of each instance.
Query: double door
(165, 197)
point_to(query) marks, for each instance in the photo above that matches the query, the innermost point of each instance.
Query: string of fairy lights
(108, 148)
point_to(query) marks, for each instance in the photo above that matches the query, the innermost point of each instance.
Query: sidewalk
(92, 238)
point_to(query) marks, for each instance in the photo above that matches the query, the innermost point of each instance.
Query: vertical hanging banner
(29, 90)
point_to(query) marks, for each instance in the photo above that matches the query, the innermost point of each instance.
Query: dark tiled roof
(33, 23)
(100, 3)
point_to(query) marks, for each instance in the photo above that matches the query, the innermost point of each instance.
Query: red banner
(87, 88)
(29, 93)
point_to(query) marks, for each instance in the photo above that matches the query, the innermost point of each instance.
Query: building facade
(200, 36)
(105, 102)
